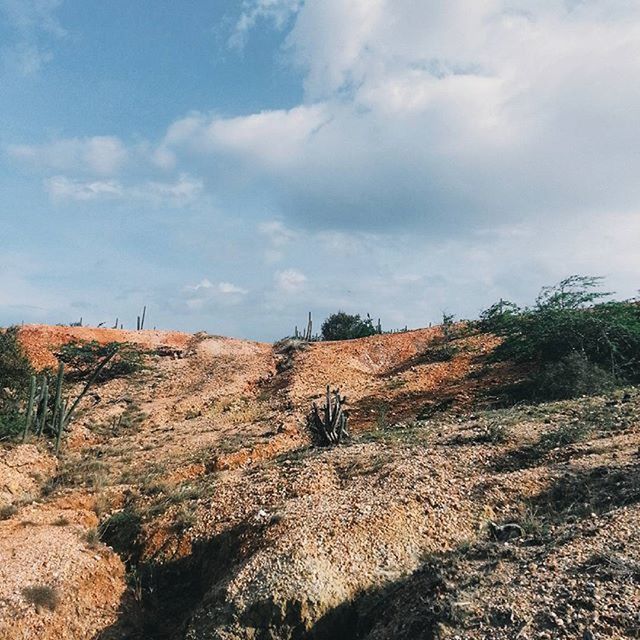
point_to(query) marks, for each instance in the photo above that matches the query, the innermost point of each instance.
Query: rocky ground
(190, 503)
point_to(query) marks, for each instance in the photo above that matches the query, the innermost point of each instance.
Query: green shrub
(83, 357)
(572, 342)
(572, 376)
(15, 373)
(440, 353)
(564, 435)
(343, 326)
(122, 530)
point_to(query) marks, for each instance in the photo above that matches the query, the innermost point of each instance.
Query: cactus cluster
(40, 417)
(329, 425)
(140, 321)
(307, 334)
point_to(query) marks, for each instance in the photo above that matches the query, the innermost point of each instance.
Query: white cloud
(290, 280)
(181, 193)
(278, 236)
(98, 155)
(277, 12)
(441, 116)
(276, 232)
(33, 15)
(272, 140)
(206, 295)
(224, 288)
(203, 284)
(34, 27)
(62, 188)
(227, 288)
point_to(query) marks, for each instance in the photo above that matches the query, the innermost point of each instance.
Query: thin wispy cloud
(35, 28)
(100, 155)
(180, 193)
(290, 280)
(274, 12)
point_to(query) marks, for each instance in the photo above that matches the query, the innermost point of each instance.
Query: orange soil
(42, 341)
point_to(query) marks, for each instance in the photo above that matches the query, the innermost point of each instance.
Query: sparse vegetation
(83, 357)
(562, 436)
(122, 530)
(440, 352)
(92, 538)
(496, 432)
(286, 351)
(8, 511)
(42, 596)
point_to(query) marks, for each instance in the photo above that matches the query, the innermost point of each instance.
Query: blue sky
(233, 164)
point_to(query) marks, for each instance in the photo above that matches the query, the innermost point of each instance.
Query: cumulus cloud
(269, 140)
(443, 117)
(278, 237)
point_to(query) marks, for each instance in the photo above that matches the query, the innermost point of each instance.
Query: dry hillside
(190, 503)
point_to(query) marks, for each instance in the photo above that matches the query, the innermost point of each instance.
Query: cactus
(144, 313)
(29, 416)
(44, 399)
(332, 427)
(57, 407)
(61, 424)
(307, 336)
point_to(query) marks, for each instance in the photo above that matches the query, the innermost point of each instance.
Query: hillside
(190, 503)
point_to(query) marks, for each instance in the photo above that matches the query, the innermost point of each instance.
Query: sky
(234, 164)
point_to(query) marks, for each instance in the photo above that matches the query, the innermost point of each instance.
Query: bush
(15, 373)
(440, 353)
(83, 357)
(573, 343)
(571, 376)
(343, 326)
(121, 530)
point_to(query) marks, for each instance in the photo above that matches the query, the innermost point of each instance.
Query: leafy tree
(574, 292)
(343, 326)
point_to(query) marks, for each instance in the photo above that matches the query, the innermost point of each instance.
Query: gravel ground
(511, 523)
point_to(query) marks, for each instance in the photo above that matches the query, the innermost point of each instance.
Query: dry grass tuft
(42, 596)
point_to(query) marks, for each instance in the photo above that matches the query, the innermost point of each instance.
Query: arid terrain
(189, 501)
